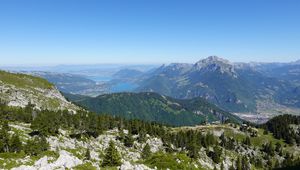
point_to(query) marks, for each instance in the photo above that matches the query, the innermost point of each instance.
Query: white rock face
(65, 160)
(50, 99)
(155, 144)
(25, 167)
(128, 166)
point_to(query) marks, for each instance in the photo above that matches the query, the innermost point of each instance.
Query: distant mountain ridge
(236, 87)
(72, 83)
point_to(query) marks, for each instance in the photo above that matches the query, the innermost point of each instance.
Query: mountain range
(72, 83)
(246, 89)
(235, 87)
(40, 129)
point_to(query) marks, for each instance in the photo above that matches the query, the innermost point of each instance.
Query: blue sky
(147, 31)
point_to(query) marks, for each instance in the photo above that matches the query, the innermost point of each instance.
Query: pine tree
(223, 140)
(36, 145)
(245, 163)
(247, 141)
(193, 150)
(4, 137)
(231, 167)
(43, 144)
(31, 147)
(15, 143)
(128, 142)
(87, 155)
(277, 164)
(112, 156)
(239, 163)
(269, 149)
(258, 163)
(222, 166)
(146, 151)
(278, 147)
(216, 155)
(142, 136)
(270, 163)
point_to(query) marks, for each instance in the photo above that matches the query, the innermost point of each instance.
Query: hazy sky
(147, 31)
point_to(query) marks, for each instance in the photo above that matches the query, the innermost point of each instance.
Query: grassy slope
(24, 81)
(23, 87)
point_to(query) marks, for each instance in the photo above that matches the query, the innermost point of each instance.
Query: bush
(170, 161)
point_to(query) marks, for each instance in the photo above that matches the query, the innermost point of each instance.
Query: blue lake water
(123, 87)
(100, 78)
(118, 87)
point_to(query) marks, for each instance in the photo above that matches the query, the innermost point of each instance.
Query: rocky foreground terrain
(70, 153)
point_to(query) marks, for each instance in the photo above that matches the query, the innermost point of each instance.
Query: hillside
(235, 87)
(88, 141)
(72, 83)
(154, 107)
(21, 90)
(127, 74)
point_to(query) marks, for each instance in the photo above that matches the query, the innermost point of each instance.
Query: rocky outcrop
(64, 161)
(41, 98)
(128, 166)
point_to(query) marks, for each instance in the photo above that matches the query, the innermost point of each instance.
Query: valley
(254, 91)
(133, 131)
(149, 85)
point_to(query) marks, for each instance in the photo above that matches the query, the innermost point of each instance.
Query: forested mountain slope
(154, 107)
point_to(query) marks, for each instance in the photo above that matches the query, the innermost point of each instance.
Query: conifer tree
(193, 151)
(36, 145)
(247, 141)
(15, 143)
(142, 136)
(223, 140)
(216, 155)
(128, 142)
(278, 147)
(245, 163)
(231, 167)
(43, 144)
(146, 151)
(4, 137)
(87, 155)
(112, 156)
(222, 166)
(239, 163)
(270, 163)
(121, 136)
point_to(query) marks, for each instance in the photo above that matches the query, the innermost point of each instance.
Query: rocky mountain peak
(214, 63)
(175, 68)
(179, 66)
(214, 59)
